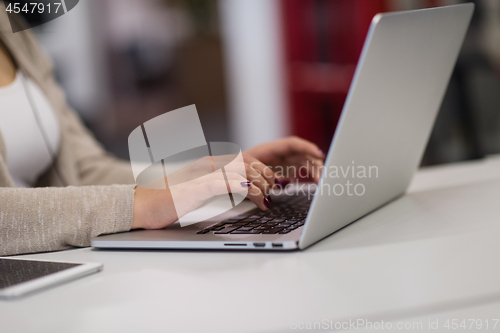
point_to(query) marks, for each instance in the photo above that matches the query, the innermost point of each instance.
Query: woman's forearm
(57, 218)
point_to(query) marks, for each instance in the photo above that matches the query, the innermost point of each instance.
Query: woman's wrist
(153, 209)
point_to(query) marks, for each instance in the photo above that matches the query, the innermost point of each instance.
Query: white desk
(383, 267)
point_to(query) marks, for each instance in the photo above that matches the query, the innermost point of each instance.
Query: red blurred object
(323, 40)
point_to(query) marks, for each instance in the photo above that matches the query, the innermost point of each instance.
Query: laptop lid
(399, 84)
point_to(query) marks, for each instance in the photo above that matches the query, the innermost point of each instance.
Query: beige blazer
(51, 217)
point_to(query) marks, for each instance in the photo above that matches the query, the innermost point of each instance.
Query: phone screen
(14, 271)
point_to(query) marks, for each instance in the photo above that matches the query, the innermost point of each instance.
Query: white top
(27, 153)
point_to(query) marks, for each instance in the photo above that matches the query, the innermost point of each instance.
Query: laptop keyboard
(285, 215)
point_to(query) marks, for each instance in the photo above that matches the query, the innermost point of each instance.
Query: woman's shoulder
(23, 45)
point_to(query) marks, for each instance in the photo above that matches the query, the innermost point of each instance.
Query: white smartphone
(22, 276)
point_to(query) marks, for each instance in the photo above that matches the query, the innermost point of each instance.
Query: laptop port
(259, 244)
(234, 244)
(277, 244)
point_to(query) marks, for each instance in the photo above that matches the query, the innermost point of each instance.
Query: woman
(59, 187)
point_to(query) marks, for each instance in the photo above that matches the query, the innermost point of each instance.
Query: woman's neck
(7, 67)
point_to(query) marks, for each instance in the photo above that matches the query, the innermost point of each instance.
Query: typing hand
(190, 187)
(287, 155)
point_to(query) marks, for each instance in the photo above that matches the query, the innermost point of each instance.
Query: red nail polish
(281, 182)
(245, 184)
(277, 182)
(267, 203)
(269, 199)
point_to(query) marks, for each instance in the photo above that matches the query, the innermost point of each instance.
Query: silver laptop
(396, 92)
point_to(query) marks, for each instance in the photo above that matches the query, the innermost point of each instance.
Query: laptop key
(273, 230)
(262, 228)
(227, 230)
(241, 232)
(220, 224)
(245, 228)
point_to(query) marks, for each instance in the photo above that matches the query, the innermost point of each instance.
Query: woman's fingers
(281, 180)
(296, 145)
(254, 170)
(265, 172)
(299, 153)
(256, 176)
(315, 167)
(260, 167)
(305, 166)
(254, 193)
(213, 185)
(302, 146)
(311, 156)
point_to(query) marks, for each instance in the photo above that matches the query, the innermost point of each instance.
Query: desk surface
(388, 266)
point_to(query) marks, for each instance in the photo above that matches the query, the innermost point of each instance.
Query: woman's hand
(192, 186)
(287, 156)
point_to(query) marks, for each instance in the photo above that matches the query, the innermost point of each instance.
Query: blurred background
(257, 70)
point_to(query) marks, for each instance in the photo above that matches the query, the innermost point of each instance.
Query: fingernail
(269, 199)
(282, 182)
(321, 152)
(267, 203)
(245, 184)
